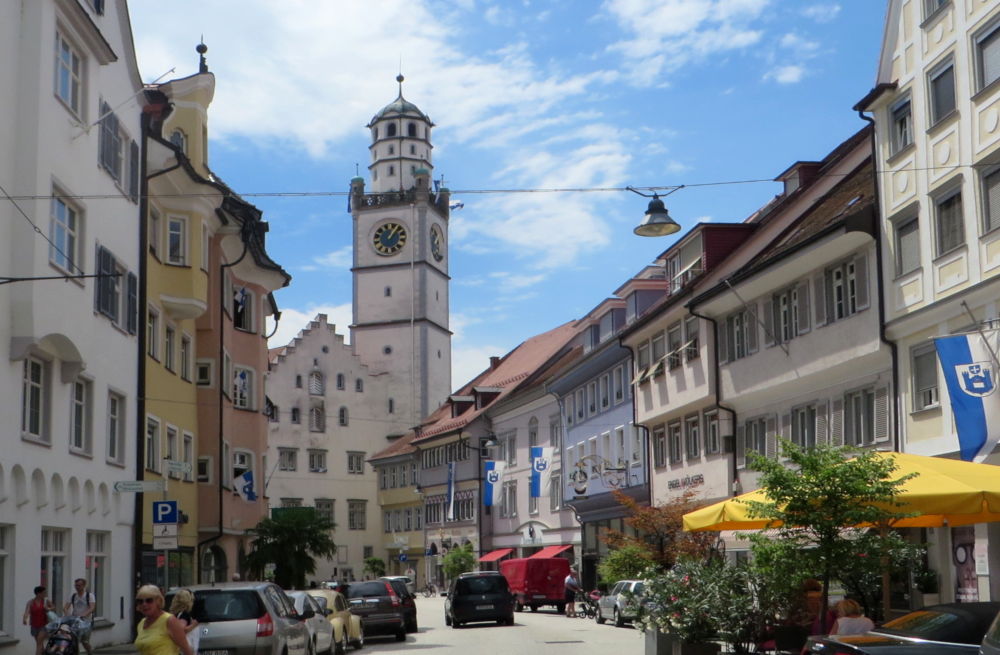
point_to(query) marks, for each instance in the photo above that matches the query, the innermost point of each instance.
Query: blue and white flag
(240, 296)
(541, 471)
(493, 482)
(244, 487)
(455, 204)
(970, 374)
(450, 499)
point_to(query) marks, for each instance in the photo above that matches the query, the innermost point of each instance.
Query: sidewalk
(120, 649)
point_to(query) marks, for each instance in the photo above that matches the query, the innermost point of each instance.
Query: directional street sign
(165, 530)
(165, 511)
(402, 557)
(139, 486)
(182, 468)
(164, 543)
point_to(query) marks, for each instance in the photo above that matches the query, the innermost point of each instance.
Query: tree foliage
(458, 560)
(627, 562)
(290, 540)
(659, 530)
(375, 566)
(832, 509)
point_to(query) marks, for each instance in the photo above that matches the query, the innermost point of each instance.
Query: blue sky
(526, 94)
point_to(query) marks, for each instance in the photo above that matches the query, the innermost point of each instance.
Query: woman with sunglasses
(159, 632)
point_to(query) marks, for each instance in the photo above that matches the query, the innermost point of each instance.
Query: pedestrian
(82, 605)
(572, 586)
(159, 632)
(181, 607)
(850, 619)
(36, 615)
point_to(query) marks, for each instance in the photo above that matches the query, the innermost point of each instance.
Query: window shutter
(722, 339)
(819, 299)
(837, 423)
(752, 321)
(133, 171)
(132, 319)
(104, 142)
(861, 281)
(786, 427)
(98, 289)
(771, 437)
(803, 300)
(881, 414)
(768, 323)
(821, 424)
(741, 447)
(105, 284)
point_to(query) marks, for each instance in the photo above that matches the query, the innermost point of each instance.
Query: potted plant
(927, 583)
(677, 611)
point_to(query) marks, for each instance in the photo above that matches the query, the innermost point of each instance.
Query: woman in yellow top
(159, 632)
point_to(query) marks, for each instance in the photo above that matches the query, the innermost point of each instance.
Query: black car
(481, 596)
(408, 600)
(379, 606)
(948, 629)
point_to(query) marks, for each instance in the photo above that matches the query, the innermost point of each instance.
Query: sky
(718, 95)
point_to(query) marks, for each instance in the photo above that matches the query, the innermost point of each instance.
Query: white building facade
(70, 171)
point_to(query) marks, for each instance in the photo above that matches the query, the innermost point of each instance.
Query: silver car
(320, 630)
(247, 618)
(621, 603)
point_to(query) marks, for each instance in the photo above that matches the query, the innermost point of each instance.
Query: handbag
(194, 639)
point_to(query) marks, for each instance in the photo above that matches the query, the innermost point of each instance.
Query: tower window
(392, 171)
(374, 174)
(392, 406)
(411, 129)
(413, 149)
(387, 350)
(390, 129)
(392, 150)
(375, 133)
(413, 169)
(388, 292)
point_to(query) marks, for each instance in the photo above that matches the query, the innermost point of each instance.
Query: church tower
(400, 267)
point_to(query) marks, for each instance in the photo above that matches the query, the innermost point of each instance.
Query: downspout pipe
(647, 464)
(880, 287)
(718, 387)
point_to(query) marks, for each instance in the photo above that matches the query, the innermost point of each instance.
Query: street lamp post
(484, 443)
(657, 222)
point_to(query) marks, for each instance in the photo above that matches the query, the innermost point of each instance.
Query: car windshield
(363, 589)
(930, 624)
(212, 605)
(487, 584)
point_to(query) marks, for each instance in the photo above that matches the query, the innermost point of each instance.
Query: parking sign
(164, 511)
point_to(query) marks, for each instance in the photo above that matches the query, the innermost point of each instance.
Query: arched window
(316, 383)
(342, 416)
(392, 171)
(390, 129)
(392, 149)
(413, 149)
(359, 385)
(298, 381)
(179, 139)
(411, 129)
(317, 419)
(533, 432)
(340, 381)
(392, 406)
(295, 415)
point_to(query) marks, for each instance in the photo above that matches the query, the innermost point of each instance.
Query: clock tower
(401, 263)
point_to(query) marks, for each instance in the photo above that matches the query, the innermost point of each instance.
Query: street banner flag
(451, 492)
(493, 486)
(970, 373)
(541, 471)
(244, 487)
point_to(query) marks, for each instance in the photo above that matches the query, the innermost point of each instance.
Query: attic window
(791, 183)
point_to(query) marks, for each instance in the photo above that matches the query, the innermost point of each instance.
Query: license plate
(484, 607)
(213, 652)
(539, 595)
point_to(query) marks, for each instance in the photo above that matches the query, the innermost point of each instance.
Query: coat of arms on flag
(976, 379)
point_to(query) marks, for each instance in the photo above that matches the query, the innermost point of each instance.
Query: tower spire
(400, 78)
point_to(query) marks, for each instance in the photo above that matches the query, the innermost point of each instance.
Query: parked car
(320, 630)
(483, 596)
(379, 606)
(347, 627)
(621, 604)
(537, 581)
(247, 618)
(407, 580)
(407, 598)
(947, 629)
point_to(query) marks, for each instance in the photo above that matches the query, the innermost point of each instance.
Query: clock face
(389, 238)
(437, 243)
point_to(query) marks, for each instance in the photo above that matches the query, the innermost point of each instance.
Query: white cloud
(339, 259)
(822, 13)
(294, 320)
(508, 281)
(786, 74)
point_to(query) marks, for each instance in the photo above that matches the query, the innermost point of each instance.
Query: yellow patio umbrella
(945, 492)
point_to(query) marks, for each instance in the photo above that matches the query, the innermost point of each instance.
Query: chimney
(494, 362)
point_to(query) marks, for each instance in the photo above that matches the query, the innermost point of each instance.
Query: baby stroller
(64, 636)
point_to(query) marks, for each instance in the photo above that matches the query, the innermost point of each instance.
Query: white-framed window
(804, 426)
(532, 432)
(674, 442)
(659, 447)
(316, 384)
(941, 91)
(243, 309)
(843, 284)
(508, 500)
(317, 417)
(675, 343)
(692, 437)
(604, 391)
(532, 505)
(117, 153)
(97, 571)
(81, 416)
(290, 502)
(242, 462)
(177, 241)
(756, 436)
(151, 445)
(907, 245)
(987, 54)
(317, 461)
(155, 231)
(116, 428)
(949, 227)
(786, 314)
(356, 463)
(713, 438)
(35, 399)
(658, 348)
(356, 518)
(925, 377)
(117, 291)
(54, 565)
(324, 508)
(69, 71)
(931, 6)
(740, 333)
(153, 333)
(342, 418)
(169, 347)
(65, 228)
(691, 341)
(580, 402)
(556, 491)
(179, 139)
(859, 417)
(243, 387)
(296, 415)
(204, 470)
(990, 188)
(185, 357)
(204, 372)
(173, 450)
(359, 385)
(340, 381)
(618, 384)
(187, 455)
(555, 432)
(901, 132)
(288, 459)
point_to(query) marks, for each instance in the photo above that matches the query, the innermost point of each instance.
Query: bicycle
(586, 605)
(430, 590)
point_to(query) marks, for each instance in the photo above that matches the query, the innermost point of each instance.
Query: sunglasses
(145, 600)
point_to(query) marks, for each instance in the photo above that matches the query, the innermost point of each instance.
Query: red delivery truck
(537, 581)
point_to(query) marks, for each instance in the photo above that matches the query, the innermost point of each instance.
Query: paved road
(541, 633)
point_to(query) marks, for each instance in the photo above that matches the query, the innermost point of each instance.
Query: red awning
(494, 555)
(551, 551)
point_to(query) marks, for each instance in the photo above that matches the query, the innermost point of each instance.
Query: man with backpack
(82, 604)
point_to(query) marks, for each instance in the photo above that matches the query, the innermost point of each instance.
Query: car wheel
(534, 608)
(598, 616)
(619, 621)
(447, 619)
(359, 643)
(411, 626)
(339, 647)
(518, 607)
(456, 624)
(510, 620)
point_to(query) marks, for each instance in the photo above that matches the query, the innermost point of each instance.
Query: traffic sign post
(140, 486)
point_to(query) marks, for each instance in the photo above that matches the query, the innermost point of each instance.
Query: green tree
(817, 501)
(290, 539)
(375, 566)
(627, 562)
(458, 560)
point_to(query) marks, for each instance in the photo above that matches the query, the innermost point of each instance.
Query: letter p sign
(164, 511)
